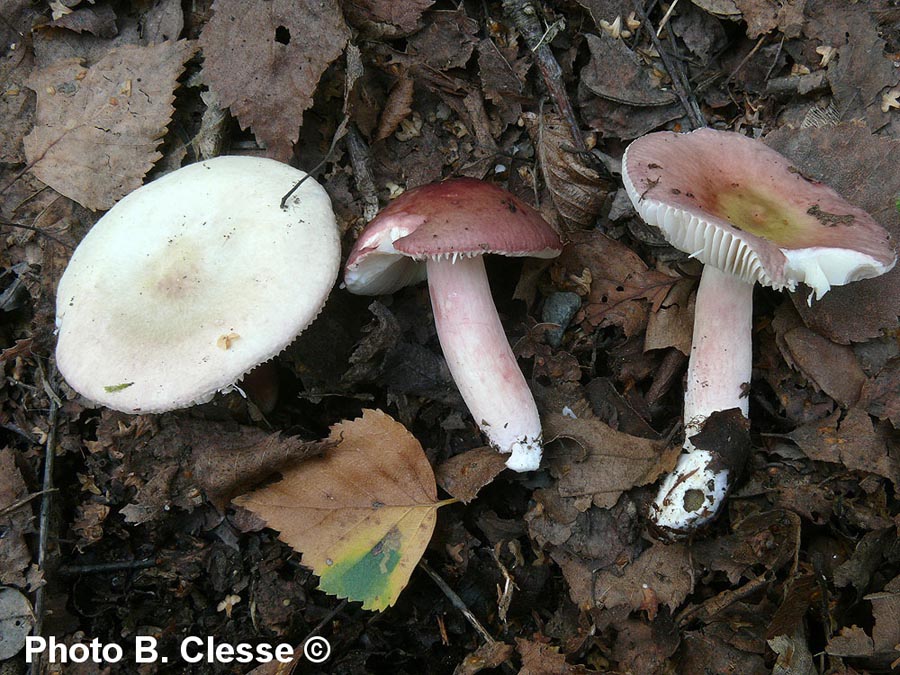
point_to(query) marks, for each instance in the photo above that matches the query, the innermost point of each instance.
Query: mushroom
(191, 281)
(750, 216)
(444, 229)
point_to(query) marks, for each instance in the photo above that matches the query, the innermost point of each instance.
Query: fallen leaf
(831, 367)
(447, 41)
(661, 575)
(622, 288)
(362, 514)
(851, 641)
(616, 73)
(386, 18)
(577, 190)
(100, 21)
(170, 459)
(852, 441)
(616, 95)
(770, 538)
(262, 60)
(97, 129)
(463, 475)
(14, 553)
(613, 462)
(542, 659)
(88, 524)
(881, 395)
(886, 610)
(865, 65)
(488, 656)
(763, 16)
(672, 325)
(396, 108)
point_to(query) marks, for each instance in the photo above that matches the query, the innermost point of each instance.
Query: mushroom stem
(481, 361)
(718, 372)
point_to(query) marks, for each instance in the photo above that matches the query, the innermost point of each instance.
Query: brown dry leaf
(725, 9)
(88, 525)
(100, 21)
(613, 462)
(672, 325)
(852, 441)
(169, 459)
(362, 514)
(463, 475)
(446, 42)
(864, 67)
(831, 367)
(97, 129)
(616, 73)
(487, 656)
(396, 108)
(881, 395)
(264, 59)
(386, 18)
(14, 553)
(860, 167)
(661, 575)
(886, 610)
(577, 190)
(616, 94)
(852, 641)
(621, 285)
(539, 658)
(763, 16)
(771, 538)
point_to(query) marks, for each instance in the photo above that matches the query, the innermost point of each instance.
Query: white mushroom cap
(734, 203)
(192, 280)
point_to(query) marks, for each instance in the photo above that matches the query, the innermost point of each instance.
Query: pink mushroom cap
(459, 217)
(735, 203)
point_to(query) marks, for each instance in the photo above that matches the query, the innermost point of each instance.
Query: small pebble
(559, 308)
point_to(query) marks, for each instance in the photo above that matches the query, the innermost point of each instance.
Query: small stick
(457, 602)
(524, 16)
(97, 568)
(687, 100)
(666, 17)
(750, 54)
(44, 520)
(18, 504)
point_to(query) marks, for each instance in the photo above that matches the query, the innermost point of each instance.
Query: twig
(44, 520)
(685, 97)
(457, 602)
(37, 230)
(328, 617)
(98, 568)
(338, 135)
(666, 17)
(750, 54)
(524, 16)
(19, 503)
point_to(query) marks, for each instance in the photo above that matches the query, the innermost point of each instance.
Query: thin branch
(685, 97)
(524, 16)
